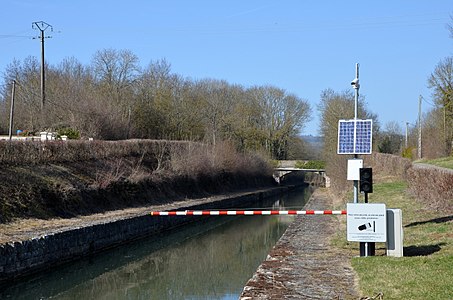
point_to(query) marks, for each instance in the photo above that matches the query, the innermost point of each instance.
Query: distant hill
(315, 141)
(315, 145)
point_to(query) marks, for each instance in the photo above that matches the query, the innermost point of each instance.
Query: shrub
(384, 164)
(311, 164)
(274, 163)
(315, 164)
(71, 133)
(196, 159)
(336, 170)
(299, 164)
(433, 186)
(408, 153)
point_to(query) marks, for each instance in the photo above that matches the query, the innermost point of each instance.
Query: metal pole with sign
(355, 137)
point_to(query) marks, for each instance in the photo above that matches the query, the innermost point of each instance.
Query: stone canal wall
(41, 252)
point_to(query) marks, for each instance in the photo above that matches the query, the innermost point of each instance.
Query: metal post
(445, 129)
(407, 124)
(128, 122)
(366, 249)
(356, 189)
(11, 115)
(356, 87)
(420, 127)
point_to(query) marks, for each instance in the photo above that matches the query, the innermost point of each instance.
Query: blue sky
(301, 46)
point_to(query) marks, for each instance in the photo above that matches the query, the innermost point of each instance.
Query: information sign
(366, 222)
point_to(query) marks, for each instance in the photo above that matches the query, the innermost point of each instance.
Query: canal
(211, 259)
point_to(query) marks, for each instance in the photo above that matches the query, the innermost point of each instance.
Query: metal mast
(420, 127)
(356, 85)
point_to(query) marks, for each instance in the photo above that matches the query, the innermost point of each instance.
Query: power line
(345, 24)
(5, 36)
(429, 102)
(20, 34)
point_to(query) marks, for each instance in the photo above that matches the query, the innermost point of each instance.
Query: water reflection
(211, 260)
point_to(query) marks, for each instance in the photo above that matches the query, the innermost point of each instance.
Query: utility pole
(420, 127)
(445, 128)
(128, 122)
(407, 124)
(42, 27)
(11, 115)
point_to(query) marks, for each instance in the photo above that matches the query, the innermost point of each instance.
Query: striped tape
(246, 212)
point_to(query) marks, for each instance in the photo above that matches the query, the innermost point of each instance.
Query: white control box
(354, 166)
(394, 232)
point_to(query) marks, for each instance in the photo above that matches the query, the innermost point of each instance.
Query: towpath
(303, 264)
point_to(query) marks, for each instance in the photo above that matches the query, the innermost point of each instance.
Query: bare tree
(280, 117)
(115, 73)
(153, 91)
(450, 26)
(215, 105)
(27, 75)
(441, 83)
(390, 140)
(432, 134)
(333, 107)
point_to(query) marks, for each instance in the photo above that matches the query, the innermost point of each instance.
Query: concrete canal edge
(303, 265)
(20, 258)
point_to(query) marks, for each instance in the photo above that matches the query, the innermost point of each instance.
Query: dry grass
(56, 179)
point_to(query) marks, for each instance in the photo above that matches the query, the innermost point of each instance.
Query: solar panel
(346, 137)
(355, 136)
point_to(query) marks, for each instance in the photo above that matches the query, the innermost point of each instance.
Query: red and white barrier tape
(246, 212)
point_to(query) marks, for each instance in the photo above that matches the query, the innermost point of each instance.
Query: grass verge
(444, 162)
(426, 271)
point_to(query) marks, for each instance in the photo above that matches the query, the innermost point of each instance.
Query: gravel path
(303, 265)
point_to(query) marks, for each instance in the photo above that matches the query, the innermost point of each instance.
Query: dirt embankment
(89, 187)
(63, 180)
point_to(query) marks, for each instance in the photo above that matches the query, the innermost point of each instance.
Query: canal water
(212, 259)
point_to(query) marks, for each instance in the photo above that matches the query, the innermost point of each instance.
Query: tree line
(438, 123)
(115, 98)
